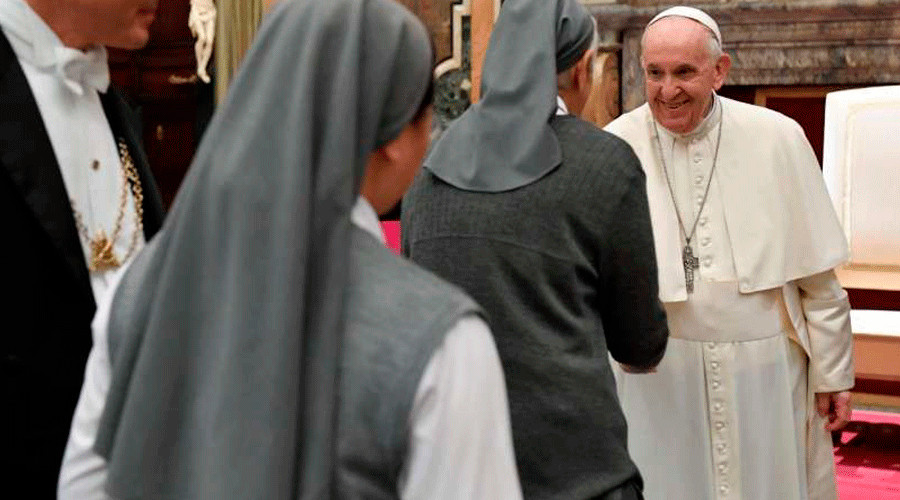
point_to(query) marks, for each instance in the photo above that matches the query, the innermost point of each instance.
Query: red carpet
(868, 458)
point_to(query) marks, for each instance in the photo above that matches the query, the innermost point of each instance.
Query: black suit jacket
(49, 303)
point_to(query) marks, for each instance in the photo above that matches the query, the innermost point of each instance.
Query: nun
(267, 345)
(543, 219)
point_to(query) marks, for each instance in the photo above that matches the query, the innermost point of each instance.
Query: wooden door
(161, 82)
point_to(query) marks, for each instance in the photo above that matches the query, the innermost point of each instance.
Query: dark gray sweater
(565, 270)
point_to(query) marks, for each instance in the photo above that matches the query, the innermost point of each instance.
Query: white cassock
(729, 413)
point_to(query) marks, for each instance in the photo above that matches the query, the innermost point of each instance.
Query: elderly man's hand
(835, 407)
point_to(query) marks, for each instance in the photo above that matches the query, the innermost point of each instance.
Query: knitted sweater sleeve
(634, 320)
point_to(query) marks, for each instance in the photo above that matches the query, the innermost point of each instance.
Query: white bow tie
(34, 41)
(82, 71)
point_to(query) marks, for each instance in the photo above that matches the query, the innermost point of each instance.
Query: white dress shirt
(65, 83)
(561, 108)
(460, 441)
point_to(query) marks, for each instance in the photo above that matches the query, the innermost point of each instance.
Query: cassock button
(702, 221)
(698, 180)
(723, 489)
(697, 159)
(717, 407)
(716, 384)
(714, 365)
(720, 425)
(95, 164)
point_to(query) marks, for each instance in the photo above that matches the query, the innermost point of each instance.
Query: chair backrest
(861, 164)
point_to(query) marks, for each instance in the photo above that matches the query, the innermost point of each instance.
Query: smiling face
(681, 72)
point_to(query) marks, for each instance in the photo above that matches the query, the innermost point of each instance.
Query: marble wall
(461, 31)
(789, 43)
(785, 43)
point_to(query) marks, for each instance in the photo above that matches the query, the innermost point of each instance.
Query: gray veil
(225, 336)
(504, 141)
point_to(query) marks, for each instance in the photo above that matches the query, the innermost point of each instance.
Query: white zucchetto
(691, 13)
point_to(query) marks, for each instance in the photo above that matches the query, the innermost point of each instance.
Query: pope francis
(760, 357)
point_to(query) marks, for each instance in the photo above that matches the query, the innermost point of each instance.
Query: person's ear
(390, 155)
(586, 68)
(723, 65)
(376, 174)
(583, 76)
(390, 152)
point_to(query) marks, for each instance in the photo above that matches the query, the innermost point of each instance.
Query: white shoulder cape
(780, 219)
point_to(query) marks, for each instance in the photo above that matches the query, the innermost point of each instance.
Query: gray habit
(504, 141)
(225, 336)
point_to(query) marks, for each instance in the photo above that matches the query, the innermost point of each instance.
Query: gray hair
(565, 78)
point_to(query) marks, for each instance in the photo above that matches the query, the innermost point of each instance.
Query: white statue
(202, 22)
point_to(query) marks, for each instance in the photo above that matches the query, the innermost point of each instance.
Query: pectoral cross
(690, 263)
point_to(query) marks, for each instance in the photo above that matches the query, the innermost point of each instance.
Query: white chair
(861, 164)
